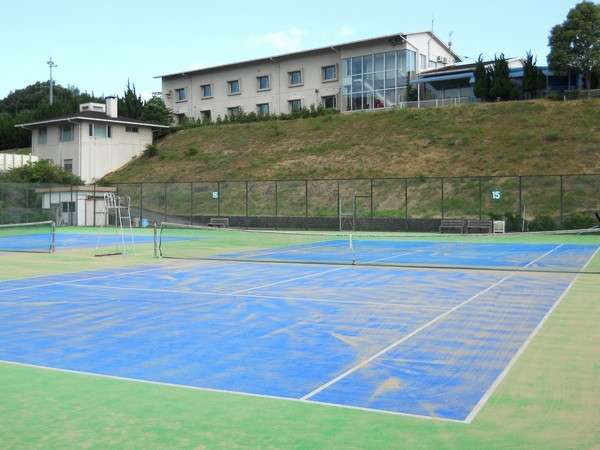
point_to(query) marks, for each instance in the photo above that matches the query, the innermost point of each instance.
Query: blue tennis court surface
(425, 342)
(41, 241)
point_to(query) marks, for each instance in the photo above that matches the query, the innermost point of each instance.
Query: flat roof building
(355, 76)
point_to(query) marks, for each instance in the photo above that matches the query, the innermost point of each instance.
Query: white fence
(11, 160)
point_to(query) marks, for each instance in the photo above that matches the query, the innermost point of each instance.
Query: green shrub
(541, 223)
(190, 152)
(42, 171)
(578, 221)
(150, 151)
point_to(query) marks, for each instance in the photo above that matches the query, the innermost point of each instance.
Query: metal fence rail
(375, 203)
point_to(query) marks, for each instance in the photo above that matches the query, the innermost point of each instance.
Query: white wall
(280, 93)
(93, 157)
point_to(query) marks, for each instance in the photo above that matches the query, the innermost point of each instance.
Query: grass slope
(536, 137)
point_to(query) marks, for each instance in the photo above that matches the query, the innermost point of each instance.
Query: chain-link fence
(419, 203)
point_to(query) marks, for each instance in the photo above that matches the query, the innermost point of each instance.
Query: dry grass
(536, 137)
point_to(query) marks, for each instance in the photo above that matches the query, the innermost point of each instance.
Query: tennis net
(548, 253)
(32, 237)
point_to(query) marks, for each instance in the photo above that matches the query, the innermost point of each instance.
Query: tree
(575, 44)
(534, 80)
(481, 89)
(130, 105)
(501, 88)
(155, 110)
(40, 172)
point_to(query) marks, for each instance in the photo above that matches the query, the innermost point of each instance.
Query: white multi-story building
(91, 143)
(361, 75)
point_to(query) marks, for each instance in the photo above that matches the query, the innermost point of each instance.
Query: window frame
(258, 78)
(230, 114)
(64, 165)
(203, 113)
(210, 87)
(258, 106)
(132, 129)
(178, 96)
(42, 139)
(291, 102)
(239, 85)
(61, 133)
(300, 83)
(323, 71)
(335, 101)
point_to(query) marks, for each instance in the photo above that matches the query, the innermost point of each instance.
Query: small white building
(75, 205)
(10, 161)
(93, 142)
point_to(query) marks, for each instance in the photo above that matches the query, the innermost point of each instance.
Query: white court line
(483, 400)
(416, 331)
(543, 256)
(226, 391)
(316, 274)
(258, 296)
(95, 277)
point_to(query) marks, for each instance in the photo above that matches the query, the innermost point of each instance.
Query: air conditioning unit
(440, 59)
(445, 60)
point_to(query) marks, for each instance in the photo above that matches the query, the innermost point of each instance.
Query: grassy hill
(537, 137)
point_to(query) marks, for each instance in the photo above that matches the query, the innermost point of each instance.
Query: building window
(377, 80)
(262, 109)
(68, 207)
(205, 116)
(91, 129)
(68, 165)
(180, 95)
(206, 90)
(66, 133)
(234, 111)
(132, 130)
(263, 82)
(329, 73)
(294, 105)
(100, 131)
(423, 59)
(329, 101)
(295, 78)
(233, 87)
(42, 135)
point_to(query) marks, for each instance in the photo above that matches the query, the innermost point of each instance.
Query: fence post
(339, 207)
(191, 203)
(521, 197)
(306, 204)
(406, 200)
(371, 204)
(246, 199)
(480, 200)
(562, 198)
(442, 194)
(218, 198)
(142, 202)
(94, 207)
(276, 199)
(166, 209)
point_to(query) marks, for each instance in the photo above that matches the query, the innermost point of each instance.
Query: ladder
(119, 208)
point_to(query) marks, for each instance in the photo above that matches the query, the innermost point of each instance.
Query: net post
(155, 230)
(52, 237)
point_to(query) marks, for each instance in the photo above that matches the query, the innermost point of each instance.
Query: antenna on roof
(450, 39)
(432, 21)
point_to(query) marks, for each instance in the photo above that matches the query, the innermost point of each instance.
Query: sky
(98, 46)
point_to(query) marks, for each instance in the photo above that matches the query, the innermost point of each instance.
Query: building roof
(82, 188)
(95, 117)
(333, 48)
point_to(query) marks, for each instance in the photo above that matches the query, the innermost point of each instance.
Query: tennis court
(420, 327)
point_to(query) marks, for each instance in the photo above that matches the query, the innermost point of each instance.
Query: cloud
(345, 31)
(284, 41)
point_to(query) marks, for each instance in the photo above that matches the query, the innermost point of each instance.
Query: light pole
(51, 65)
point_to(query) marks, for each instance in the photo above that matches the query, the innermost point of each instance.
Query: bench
(219, 222)
(452, 224)
(480, 226)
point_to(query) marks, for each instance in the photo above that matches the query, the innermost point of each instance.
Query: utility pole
(51, 65)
